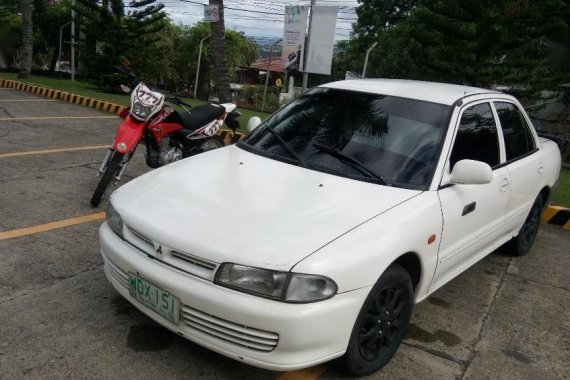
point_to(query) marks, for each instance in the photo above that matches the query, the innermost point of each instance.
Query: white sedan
(312, 239)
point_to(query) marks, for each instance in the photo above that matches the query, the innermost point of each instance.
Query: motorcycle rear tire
(112, 169)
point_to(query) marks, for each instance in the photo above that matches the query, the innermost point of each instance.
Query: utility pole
(305, 74)
(72, 41)
(198, 66)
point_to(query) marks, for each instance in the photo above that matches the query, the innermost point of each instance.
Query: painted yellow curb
(557, 215)
(62, 95)
(228, 137)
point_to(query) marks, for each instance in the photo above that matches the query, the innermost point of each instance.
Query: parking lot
(60, 318)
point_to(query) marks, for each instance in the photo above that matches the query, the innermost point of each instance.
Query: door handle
(504, 186)
(469, 208)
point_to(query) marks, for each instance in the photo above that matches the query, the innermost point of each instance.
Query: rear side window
(517, 135)
(477, 137)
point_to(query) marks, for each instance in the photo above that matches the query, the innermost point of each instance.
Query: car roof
(442, 93)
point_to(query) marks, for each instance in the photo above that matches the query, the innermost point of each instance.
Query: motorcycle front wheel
(112, 169)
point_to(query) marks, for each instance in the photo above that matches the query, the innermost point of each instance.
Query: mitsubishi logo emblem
(159, 250)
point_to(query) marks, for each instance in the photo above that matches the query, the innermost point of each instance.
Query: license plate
(154, 297)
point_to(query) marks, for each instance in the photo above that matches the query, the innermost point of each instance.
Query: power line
(253, 11)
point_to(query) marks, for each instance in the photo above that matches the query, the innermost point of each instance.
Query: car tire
(381, 324)
(521, 244)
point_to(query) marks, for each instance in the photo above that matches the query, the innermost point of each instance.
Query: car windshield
(369, 137)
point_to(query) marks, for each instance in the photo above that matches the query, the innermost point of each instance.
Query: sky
(256, 17)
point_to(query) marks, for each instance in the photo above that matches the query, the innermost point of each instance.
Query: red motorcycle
(170, 131)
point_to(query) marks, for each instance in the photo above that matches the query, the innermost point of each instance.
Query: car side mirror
(470, 172)
(253, 123)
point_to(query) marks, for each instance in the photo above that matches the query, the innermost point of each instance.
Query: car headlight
(281, 286)
(114, 220)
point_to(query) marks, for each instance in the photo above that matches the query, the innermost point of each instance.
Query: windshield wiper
(350, 161)
(290, 151)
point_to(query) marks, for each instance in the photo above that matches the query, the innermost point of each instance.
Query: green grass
(86, 89)
(561, 196)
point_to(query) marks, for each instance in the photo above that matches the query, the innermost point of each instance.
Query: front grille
(142, 237)
(182, 260)
(118, 274)
(193, 260)
(231, 332)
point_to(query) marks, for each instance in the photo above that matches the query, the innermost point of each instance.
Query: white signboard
(294, 36)
(321, 39)
(211, 13)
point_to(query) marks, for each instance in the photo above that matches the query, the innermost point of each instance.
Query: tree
(376, 16)
(489, 42)
(48, 17)
(27, 40)
(240, 51)
(377, 22)
(111, 33)
(219, 53)
(10, 32)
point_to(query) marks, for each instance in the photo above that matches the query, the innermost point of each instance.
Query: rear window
(516, 133)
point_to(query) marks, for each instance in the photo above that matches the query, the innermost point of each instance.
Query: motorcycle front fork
(124, 164)
(104, 163)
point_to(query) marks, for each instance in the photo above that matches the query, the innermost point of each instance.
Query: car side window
(477, 137)
(518, 138)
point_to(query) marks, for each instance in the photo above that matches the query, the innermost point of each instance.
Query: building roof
(428, 91)
(261, 65)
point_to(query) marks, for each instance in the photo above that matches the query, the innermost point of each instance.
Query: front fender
(359, 257)
(128, 135)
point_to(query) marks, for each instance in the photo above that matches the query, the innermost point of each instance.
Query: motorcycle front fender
(128, 135)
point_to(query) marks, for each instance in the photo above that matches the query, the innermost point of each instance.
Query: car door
(522, 161)
(473, 215)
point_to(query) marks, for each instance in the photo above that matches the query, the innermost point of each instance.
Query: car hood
(229, 205)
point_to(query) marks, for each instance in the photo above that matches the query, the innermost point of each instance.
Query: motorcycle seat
(200, 116)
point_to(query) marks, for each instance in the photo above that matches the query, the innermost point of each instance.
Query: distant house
(255, 73)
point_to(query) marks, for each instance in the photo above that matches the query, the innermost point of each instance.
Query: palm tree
(27, 40)
(219, 53)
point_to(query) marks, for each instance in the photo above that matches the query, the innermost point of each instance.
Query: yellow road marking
(56, 118)
(304, 374)
(57, 150)
(51, 226)
(28, 100)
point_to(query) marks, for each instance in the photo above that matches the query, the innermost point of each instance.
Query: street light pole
(198, 66)
(60, 38)
(72, 41)
(366, 59)
(268, 72)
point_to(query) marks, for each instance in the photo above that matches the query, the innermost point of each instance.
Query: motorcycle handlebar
(176, 100)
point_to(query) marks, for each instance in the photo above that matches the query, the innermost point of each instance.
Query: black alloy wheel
(381, 324)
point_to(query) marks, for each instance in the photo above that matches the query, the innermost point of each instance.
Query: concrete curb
(227, 136)
(557, 215)
(63, 95)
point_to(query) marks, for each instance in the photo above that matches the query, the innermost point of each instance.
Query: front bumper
(304, 334)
